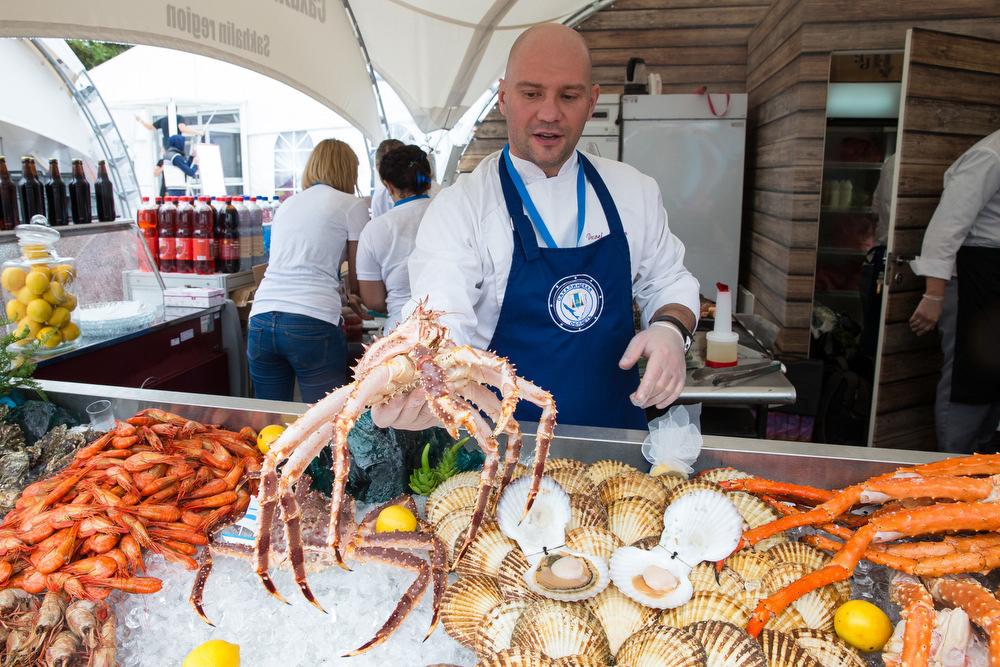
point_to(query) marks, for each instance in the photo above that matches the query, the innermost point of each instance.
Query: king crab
(457, 383)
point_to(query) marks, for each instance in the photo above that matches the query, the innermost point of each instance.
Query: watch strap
(670, 319)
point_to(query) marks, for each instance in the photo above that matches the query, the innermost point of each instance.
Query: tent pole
(368, 66)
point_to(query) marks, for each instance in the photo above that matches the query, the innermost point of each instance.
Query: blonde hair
(333, 163)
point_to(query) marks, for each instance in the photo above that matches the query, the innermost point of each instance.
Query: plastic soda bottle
(185, 227)
(202, 237)
(147, 226)
(228, 243)
(166, 222)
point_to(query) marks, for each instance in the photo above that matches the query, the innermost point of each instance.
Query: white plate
(114, 317)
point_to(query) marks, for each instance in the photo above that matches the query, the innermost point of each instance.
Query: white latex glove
(925, 317)
(663, 379)
(406, 412)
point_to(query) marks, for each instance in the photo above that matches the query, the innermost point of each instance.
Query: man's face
(547, 97)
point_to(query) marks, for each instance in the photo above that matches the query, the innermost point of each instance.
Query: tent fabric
(440, 56)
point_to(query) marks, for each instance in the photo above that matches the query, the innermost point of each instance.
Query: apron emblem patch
(575, 303)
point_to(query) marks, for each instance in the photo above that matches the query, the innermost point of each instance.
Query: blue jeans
(282, 347)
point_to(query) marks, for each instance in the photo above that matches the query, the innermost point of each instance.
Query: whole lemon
(69, 302)
(12, 278)
(39, 310)
(862, 625)
(16, 310)
(28, 328)
(38, 281)
(25, 295)
(49, 336)
(59, 316)
(70, 331)
(395, 518)
(267, 435)
(55, 294)
(214, 653)
(64, 273)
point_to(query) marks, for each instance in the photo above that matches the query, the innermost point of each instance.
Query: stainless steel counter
(826, 466)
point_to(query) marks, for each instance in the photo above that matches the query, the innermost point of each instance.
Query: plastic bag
(674, 441)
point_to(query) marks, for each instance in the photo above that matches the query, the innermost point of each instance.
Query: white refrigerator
(695, 151)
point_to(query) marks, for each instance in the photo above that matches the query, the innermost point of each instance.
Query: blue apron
(567, 317)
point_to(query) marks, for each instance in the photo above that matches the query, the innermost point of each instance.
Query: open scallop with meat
(545, 524)
(566, 575)
(655, 578)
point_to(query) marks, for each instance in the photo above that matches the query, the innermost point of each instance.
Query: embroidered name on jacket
(576, 302)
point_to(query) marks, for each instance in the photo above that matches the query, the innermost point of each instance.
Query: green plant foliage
(92, 54)
(423, 480)
(16, 368)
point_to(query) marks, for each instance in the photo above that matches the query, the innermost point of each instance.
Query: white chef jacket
(383, 250)
(968, 213)
(308, 237)
(464, 246)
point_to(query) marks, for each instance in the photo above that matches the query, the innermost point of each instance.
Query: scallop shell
(517, 657)
(440, 505)
(704, 578)
(467, 478)
(632, 570)
(486, 551)
(464, 605)
(782, 650)
(592, 540)
(563, 463)
(452, 525)
(494, 631)
(620, 615)
(669, 480)
(788, 619)
(542, 578)
(545, 525)
(634, 518)
(510, 577)
(752, 566)
(753, 510)
(689, 486)
(728, 645)
(631, 484)
(781, 575)
(661, 645)
(579, 661)
(723, 474)
(646, 543)
(773, 541)
(702, 525)
(560, 629)
(586, 511)
(829, 649)
(574, 481)
(601, 470)
(706, 606)
(816, 607)
(800, 552)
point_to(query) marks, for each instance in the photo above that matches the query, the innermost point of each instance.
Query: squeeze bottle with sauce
(720, 350)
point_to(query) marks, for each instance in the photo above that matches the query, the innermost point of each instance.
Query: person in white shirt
(387, 241)
(381, 201)
(960, 260)
(539, 253)
(295, 332)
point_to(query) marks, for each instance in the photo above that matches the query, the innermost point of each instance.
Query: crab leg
(487, 401)
(983, 609)
(543, 436)
(918, 612)
(919, 521)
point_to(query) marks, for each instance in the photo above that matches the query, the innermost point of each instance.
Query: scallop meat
(566, 575)
(653, 578)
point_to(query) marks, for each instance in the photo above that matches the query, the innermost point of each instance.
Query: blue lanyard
(529, 206)
(410, 198)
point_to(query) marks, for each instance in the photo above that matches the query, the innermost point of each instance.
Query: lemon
(55, 294)
(49, 336)
(394, 518)
(267, 435)
(39, 310)
(38, 281)
(12, 278)
(64, 273)
(862, 625)
(214, 653)
(25, 295)
(28, 327)
(70, 331)
(16, 310)
(59, 316)
(69, 302)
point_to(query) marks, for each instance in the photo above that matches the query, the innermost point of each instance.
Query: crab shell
(566, 575)
(655, 578)
(545, 525)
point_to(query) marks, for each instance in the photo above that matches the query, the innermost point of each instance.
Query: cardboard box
(243, 296)
(193, 297)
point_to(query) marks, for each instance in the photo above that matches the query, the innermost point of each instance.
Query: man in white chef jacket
(538, 254)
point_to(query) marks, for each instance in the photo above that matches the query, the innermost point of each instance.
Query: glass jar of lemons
(39, 297)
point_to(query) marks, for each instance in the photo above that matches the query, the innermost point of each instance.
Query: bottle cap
(723, 309)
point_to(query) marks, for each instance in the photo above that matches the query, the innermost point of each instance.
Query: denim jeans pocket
(308, 348)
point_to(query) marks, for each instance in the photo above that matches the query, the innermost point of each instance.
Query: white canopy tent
(440, 56)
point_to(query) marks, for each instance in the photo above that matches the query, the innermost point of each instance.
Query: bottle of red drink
(166, 222)
(202, 237)
(147, 226)
(228, 243)
(185, 226)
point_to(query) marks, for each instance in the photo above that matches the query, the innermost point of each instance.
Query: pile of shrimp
(55, 632)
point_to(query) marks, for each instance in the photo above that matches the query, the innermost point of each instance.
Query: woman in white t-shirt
(387, 241)
(296, 330)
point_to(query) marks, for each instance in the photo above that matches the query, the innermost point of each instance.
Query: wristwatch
(670, 319)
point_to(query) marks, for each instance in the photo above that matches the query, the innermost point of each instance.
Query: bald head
(549, 36)
(547, 94)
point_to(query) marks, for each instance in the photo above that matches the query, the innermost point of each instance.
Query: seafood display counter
(160, 628)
